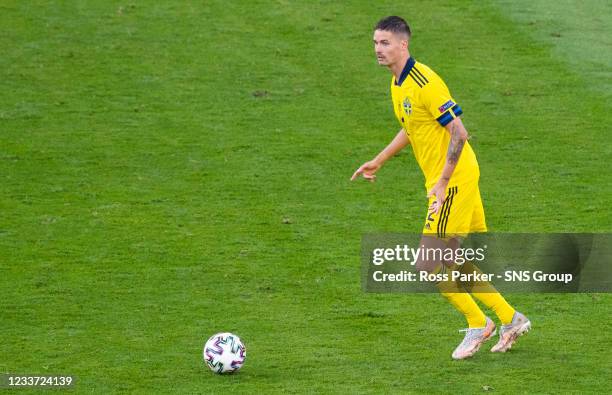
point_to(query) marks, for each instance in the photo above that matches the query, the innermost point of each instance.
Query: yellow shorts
(461, 213)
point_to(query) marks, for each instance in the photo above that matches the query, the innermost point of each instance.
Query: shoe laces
(470, 333)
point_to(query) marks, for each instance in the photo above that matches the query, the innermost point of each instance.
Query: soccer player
(430, 122)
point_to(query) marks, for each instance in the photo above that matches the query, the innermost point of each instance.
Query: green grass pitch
(170, 170)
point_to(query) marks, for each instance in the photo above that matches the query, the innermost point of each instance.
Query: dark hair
(394, 24)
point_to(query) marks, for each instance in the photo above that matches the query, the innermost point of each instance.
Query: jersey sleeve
(438, 101)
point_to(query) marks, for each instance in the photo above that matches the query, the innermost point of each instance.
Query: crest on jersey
(407, 106)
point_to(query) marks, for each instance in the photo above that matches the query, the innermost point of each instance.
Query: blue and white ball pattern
(224, 353)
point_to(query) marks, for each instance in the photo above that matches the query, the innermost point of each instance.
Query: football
(224, 353)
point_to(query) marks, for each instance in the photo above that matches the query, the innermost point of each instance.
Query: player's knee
(422, 265)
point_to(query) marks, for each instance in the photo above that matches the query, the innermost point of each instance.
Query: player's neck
(397, 67)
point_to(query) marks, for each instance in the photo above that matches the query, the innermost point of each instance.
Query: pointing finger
(357, 173)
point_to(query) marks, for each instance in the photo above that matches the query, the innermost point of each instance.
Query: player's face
(389, 47)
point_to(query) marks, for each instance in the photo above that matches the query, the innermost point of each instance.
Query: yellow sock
(488, 295)
(462, 301)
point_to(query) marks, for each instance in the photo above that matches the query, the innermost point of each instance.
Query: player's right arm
(368, 169)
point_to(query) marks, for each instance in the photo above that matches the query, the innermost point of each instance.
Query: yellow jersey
(423, 106)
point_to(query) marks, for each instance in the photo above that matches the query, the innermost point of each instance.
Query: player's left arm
(458, 137)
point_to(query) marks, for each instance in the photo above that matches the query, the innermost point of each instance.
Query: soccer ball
(224, 353)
